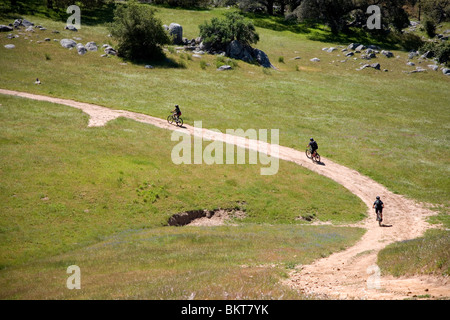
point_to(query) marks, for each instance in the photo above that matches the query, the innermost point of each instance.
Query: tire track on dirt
(349, 274)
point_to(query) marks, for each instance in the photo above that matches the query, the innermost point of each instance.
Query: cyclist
(177, 111)
(378, 205)
(312, 147)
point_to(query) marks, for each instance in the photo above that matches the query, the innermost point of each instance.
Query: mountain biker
(313, 146)
(378, 205)
(177, 111)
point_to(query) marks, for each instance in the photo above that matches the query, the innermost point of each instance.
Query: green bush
(220, 32)
(139, 33)
(441, 51)
(430, 28)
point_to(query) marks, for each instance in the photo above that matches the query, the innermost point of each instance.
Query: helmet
(378, 197)
(311, 139)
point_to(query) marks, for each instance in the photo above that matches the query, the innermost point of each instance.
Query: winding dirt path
(349, 274)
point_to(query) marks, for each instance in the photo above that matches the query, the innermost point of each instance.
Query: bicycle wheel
(317, 157)
(308, 153)
(179, 122)
(170, 119)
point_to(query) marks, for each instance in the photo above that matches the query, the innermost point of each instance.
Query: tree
(220, 32)
(139, 33)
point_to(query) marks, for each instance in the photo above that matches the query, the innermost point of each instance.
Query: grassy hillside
(388, 125)
(65, 187)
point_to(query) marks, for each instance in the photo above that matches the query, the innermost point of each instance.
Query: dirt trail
(349, 274)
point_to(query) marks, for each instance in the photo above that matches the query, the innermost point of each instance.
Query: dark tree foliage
(139, 33)
(220, 32)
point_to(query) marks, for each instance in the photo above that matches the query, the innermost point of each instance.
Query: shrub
(441, 51)
(139, 33)
(220, 32)
(430, 28)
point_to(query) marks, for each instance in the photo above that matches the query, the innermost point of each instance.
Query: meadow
(75, 194)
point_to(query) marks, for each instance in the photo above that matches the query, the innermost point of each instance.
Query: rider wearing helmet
(378, 205)
(313, 146)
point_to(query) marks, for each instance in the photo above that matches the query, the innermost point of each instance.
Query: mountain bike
(174, 118)
(316, 156)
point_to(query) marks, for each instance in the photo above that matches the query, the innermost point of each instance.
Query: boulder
(360, 48)
(331, 49)
(111, 51)
(68, 43)
(91, 46)
(349, 54)
(446, 71)
(71, 28)
(411, 64)
(225, 67)
(427, 55)
(376, 66)
(4, 28)
(353, 46)
(176, 31)
(387, 54)
(236, 50)
(81, 49)
(433, 67)
(27, 23)
(262, 58)
(10, 46)
(315, 60)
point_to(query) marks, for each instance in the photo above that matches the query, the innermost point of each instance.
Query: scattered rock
(68, 43)
(315, 60)
(360, 47)
(349, 54)
(47, 39)
(10, 46)
(446, 71)
(387, 54)
(225, 67)
(376, 66)
(411, 64)
(111, 51)
(176, 31)
(81, 49)
(71, 28)
(29, 29)
(91, 46)
(433, 67)
(353, 46)
(27, 23)
(427, 55)
(413, 54)
(148, 66)
(4, 28)
(197, 56)
(331, 49)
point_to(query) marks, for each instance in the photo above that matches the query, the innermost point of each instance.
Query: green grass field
(65, 187)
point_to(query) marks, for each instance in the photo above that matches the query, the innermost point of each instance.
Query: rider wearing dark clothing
(313, 146)
(177, 111)
(378, 205)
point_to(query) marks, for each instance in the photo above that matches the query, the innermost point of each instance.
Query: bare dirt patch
(216, 217)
